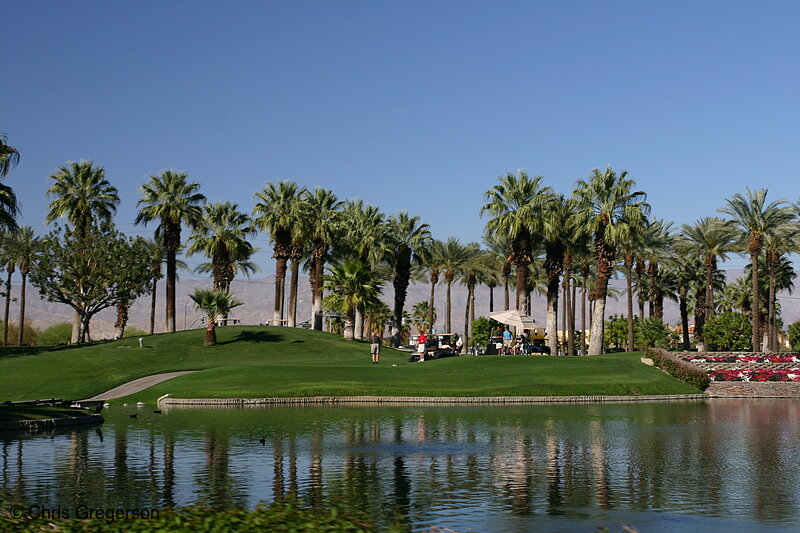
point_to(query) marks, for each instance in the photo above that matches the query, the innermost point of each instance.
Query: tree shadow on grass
(18, 351)
(254, 336)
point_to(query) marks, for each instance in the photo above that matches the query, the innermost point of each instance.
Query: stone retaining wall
(420, 400)
(754, 389)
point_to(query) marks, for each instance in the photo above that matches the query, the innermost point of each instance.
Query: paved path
(137, 385)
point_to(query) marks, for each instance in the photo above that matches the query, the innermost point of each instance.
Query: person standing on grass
(375, 347)
(507, 338)
(422, 340)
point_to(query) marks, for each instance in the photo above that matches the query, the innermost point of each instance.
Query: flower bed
(744, 359)
(737, 374)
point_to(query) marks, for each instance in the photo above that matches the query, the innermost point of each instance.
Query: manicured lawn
(260, 361)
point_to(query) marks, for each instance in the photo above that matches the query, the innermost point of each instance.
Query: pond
(713, 465)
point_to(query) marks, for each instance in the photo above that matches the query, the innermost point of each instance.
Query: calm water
(719, 465)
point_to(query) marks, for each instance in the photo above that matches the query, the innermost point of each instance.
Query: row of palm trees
(535, 239)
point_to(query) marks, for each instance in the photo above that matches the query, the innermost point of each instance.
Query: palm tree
(82, 194)
(775, 244)
(11, 266)
(657, 250)
(173, 201)
(157, 255)
(221, 235)
(609, 209)
(9, 156)
(756, 220)
(408, 239)
(278, 212)
(421, 313)
(470, 270)
(709, 238)
(556, 233)
(351, 285)
(215, 303)
(515, 204)
(24, 249)
(499, 247)
(322, 211)
(433, 259)
(454, 255)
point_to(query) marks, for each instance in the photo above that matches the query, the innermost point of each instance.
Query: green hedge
(275, 517)
(678, 368)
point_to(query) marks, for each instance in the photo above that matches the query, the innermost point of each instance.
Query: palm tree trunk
(491, 298)
(122, 319)
(700, 321)
(772, 337)
(153, 307)
(522, 286)
(348, 331)
(22, 310)
(756, 305)
(211, 333)
(318, 272)
(448, 308)
(652, 270)
(565, 299)
(171, 279)
(640, 292)
(551, 324)
(711, 267)
(506, 301)
(466, 316)
(472, 307)
(280, 275)
(684, 318)
(583, 317)
(605, 258)
(434, 279)
(359, 324)
(572, 308)
(629, 286)
(8, 307)
(293, 293)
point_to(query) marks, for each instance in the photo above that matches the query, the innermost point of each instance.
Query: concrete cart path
(137, 385)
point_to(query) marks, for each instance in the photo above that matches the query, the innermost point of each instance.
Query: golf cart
(438, 346)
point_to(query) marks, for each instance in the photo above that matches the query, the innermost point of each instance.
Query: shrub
(678, 369)
(482, 329)
(651, 332)
(615, 333)
(56, 334)
(29, 337)
(134, 332)
(729, 331)
(794, 336)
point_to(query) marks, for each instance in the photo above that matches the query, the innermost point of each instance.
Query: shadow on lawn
(18, 351)
(254, 336)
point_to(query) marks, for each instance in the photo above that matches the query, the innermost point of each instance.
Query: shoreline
(33, 425)
(419, 400)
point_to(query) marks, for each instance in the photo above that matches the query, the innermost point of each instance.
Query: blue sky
(408, 105)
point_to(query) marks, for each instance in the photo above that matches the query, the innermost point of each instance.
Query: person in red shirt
(421, 341)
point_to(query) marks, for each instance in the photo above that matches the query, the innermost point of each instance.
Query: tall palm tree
(454, 255)
(156, 255)
(775, 244)
(215, 303)
(433, 259)
(756, 219)
(657, 250)
(609, 209)
(710, 238)
(221, 235)
(10, 264)
(556, 225)
(9, 156)
(501, 249)
(173, 201)
(322, 212)
(351, 285)
(515, 204)
(25, 247)
(408, 239)
(471, 268)
(277, 212)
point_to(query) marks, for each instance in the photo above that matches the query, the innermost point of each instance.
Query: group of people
(422, 345)
(510, 347)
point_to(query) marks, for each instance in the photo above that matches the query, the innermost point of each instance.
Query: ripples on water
(724, 465)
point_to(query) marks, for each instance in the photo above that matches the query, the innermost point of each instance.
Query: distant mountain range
(258, 294)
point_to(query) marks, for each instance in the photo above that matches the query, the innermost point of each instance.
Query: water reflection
(507, 469)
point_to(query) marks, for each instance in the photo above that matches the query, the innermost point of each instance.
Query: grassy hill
(261, 361)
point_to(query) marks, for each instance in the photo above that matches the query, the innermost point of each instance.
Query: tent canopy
(512, 317)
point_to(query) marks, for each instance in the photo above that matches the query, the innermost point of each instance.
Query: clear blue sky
(408, 105)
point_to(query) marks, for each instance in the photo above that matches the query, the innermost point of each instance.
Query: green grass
(252, 361)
